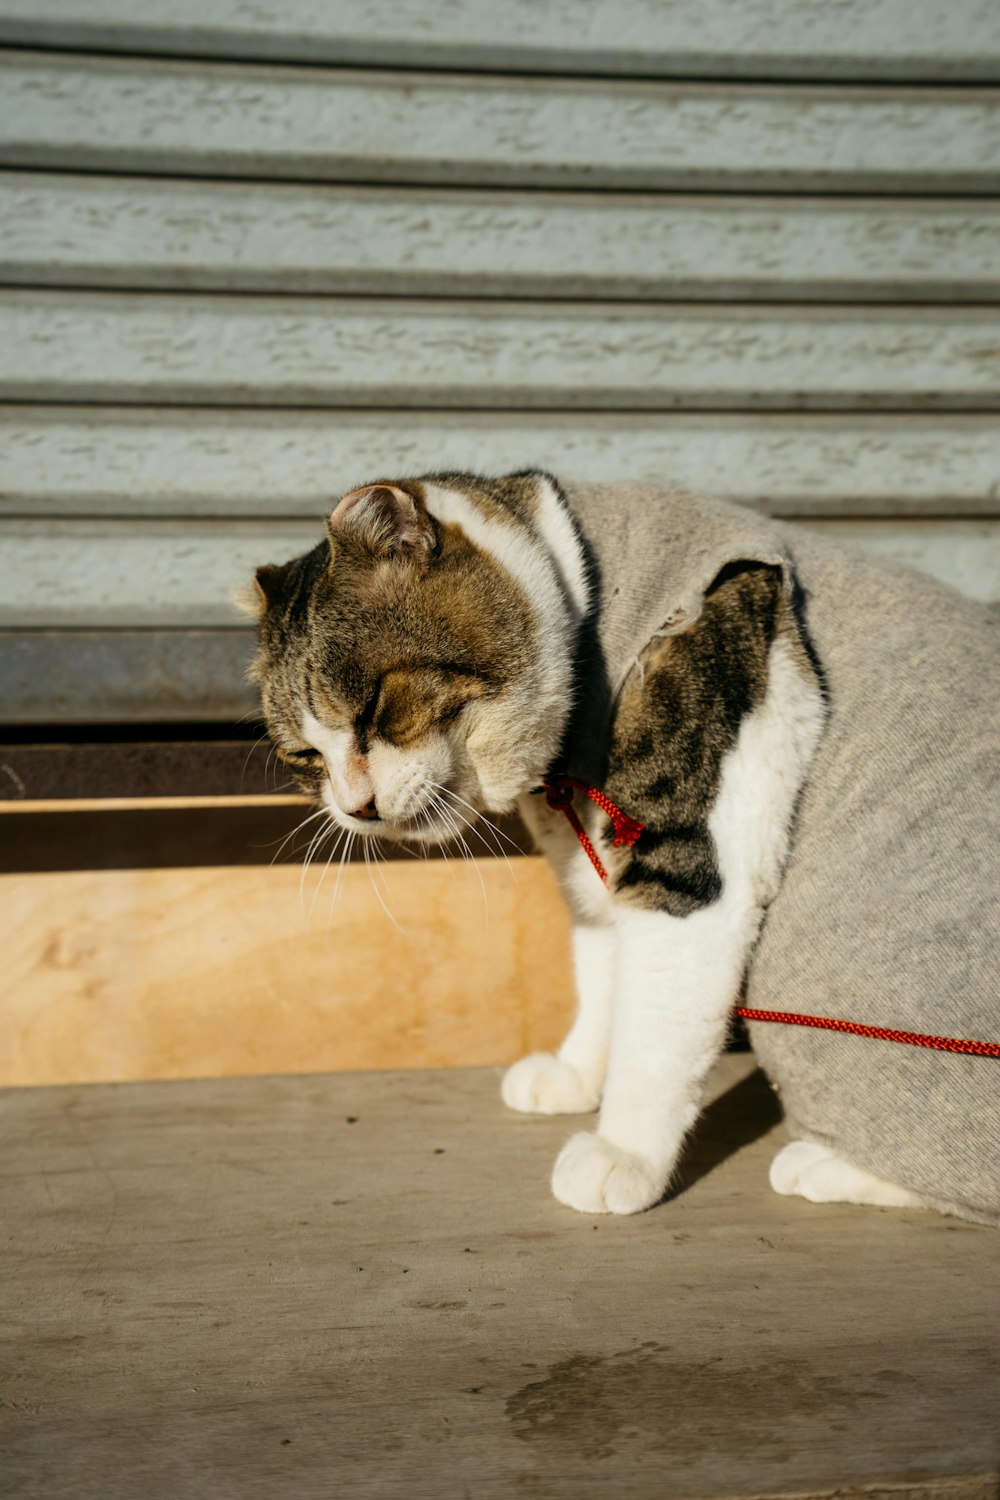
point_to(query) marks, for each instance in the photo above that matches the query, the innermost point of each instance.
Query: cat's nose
(367, 812)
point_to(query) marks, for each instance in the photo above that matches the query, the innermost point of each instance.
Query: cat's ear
(256, 597)
(384, 519)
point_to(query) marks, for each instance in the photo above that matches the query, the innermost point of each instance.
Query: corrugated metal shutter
(252, 253)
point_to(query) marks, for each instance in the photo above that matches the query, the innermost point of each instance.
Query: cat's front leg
(570, 1081)
(677, 979)
(712, 742)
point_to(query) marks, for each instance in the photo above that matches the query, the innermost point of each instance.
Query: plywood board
(125, 974)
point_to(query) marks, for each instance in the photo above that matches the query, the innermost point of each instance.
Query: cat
(741, 689)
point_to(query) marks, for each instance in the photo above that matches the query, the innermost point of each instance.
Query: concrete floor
(358, 1285)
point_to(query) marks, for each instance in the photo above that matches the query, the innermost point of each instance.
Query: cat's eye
(365, 720)
(366, 717)
(307, 756)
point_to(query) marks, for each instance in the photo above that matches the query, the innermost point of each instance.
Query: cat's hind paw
(542, 1084)
(815, 1172)
(595, 1177)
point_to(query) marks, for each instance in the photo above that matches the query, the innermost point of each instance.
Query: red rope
(559, 795)
(880, 1033)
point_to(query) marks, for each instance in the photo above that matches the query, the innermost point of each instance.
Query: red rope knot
(559, 796)
(558, 792)
(627, 830)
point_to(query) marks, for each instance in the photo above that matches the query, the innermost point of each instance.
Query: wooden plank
(880, 39)
(148, 234)
(234, 784)
(163, 349)
(292, 464)
(240, 121)
(124, 974)
(146, 769)
(246, 1286)
(36, 844)
(188, 833)
(165, 803)
(56, 677)
(159, 463)
(161, 574)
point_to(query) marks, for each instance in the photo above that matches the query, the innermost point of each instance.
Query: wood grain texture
(65, 230)
(881, 39)
(125, 974)
(170, 833)
(163, 349)
(228, 120)
(254, 835)
(27, 807)
(360, 1285)
(152, 767)
(162, 574)
(158, 463)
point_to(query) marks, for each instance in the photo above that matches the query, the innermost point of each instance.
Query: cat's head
(422, 652)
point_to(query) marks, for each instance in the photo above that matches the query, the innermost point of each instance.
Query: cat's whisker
(493, 845)
(408, 850)
(498, 832)
(315, 845)
(341, 834)
(309, 852)
(451, 828)
(431, 815)
(449, 815)
(272, 754)
(344, 858)
(380, 859)
(243, 774)
(455, 817)
(490, 848)
(374, 885)
(320, 813)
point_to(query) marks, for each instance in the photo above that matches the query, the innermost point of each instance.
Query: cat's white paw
(595, 1177)
(791, 1162)
(542, 1084)
(815, 1172)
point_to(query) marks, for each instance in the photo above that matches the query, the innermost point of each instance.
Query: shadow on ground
(736, 1119)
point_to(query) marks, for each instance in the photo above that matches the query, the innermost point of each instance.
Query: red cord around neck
(559, 796)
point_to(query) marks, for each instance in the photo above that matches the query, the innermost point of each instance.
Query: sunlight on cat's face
(426, 790)
(390, 746)
(398, 667)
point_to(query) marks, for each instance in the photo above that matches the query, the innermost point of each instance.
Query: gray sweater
(888, 910)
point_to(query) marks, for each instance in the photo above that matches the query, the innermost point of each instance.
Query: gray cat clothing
(887, 912)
